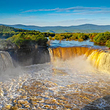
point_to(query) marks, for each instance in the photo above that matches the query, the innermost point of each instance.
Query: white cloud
(76, 10)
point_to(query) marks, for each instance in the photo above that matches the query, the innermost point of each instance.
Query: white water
(62, 73)
(5, 61)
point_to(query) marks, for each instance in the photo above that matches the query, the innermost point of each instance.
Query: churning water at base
(71, 84)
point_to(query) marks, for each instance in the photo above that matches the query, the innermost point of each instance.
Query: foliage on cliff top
(28, 38)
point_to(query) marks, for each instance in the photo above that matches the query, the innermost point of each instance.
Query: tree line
(21, 37)
(97, 38)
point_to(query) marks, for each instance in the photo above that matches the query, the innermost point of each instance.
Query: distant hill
(85, 28)
(7, 29)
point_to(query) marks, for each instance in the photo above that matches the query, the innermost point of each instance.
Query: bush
(28, 39)
(108, 43)
(101, 38)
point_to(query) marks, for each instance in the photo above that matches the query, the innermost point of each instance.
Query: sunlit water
(64, 43)
(72, 84)
(45, 86)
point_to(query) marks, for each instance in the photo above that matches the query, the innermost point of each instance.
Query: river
(71, 84)
(64, 43)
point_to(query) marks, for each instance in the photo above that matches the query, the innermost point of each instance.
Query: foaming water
(98, 58)
(69, 83)
(10, 73)
(54, 84)
(78, 70)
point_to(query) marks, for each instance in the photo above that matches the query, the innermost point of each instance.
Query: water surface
(64, 43)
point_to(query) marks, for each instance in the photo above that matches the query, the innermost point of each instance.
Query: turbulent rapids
(98, 58)
(77, 78)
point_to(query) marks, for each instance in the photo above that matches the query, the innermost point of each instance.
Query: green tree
(108, 43)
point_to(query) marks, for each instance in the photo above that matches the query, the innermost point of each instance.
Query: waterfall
(74, 84)
(98, 58)
(5, 61)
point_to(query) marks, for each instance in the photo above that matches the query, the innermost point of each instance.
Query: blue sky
(55, 12)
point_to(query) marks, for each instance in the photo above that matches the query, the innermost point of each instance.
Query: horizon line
(57, 25)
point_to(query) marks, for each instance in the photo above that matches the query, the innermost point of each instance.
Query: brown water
(97, 57)
(71, 81)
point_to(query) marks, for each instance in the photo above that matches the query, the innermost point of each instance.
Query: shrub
(108, 43)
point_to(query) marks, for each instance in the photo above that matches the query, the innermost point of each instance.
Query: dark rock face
(26, 56)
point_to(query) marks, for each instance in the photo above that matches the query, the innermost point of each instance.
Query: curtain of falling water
(5, 61)
(98, 58)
